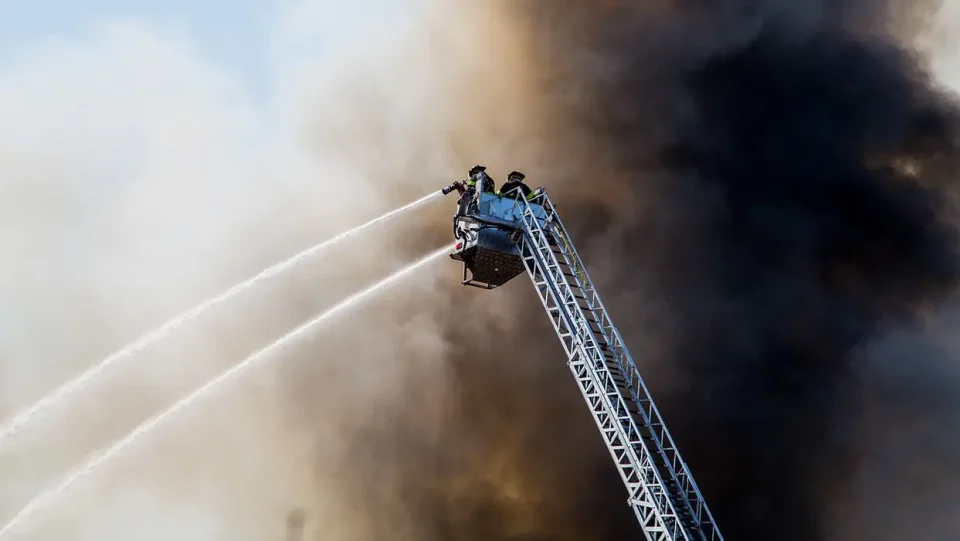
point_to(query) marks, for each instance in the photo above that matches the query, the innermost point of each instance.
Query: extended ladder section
(662, 492)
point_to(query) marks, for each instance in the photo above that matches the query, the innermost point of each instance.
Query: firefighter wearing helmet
(479, 180)
(515, 186)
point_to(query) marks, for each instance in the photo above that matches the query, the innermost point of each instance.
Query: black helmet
(516, 175)
(476, 169)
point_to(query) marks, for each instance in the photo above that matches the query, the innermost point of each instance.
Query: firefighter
(468, 189)
(478, 174)
(515, 185)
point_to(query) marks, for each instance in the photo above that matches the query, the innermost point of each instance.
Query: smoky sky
(810, 241)
(766, 189)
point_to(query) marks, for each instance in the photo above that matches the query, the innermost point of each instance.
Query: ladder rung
(558, 267)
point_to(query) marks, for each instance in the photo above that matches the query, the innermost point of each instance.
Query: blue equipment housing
(488, 228)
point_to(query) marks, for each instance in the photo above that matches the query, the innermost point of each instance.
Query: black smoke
(795, 172)
(766, 190)
(812, 242)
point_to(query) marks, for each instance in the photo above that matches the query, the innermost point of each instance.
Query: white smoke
(136, 179)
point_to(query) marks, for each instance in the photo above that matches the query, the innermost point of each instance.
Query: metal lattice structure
(500, 238)
(662, 492)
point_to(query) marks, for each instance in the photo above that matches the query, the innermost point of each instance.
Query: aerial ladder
(497, 238)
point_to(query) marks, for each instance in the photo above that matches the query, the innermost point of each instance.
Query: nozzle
(455, 186)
